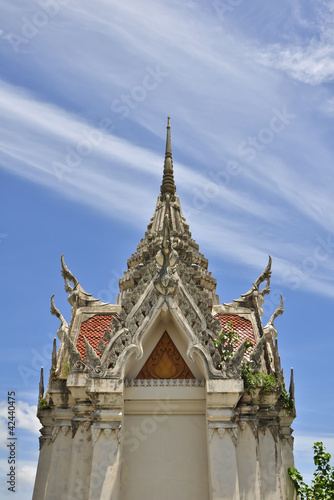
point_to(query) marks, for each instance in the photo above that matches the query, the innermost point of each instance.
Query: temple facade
(168, 393)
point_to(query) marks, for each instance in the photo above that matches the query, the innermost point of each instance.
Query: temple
(167, 393)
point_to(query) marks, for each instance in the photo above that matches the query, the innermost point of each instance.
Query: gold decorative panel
(165, 361)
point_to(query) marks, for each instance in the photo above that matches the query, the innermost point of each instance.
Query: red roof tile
(243, 327)
(93, 329)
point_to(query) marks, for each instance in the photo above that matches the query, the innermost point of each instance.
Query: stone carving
(75, 426)
(255, 358)
(233, 368)
(95, 367)
(55, 312)
(87, 424)
(164, 383)
(263, 428)
(55, 432)
(210, 433)
(270, 329)
(166, 258)
(254, 426)
(77, 295)
(75, 361)
(101, 346)
(96, 431)
(221, 432)
(242, 424)
(234, 434)
(254, 292)
(107, 432)
(65, 429)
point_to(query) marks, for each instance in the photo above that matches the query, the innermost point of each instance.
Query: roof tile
(243, 327)
(93, 329)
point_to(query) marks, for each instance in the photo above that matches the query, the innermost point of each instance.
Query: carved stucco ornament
(234, 434)
(255, 293)
(87, 424)
(55, 432)
(77, 295)
(166, 259)
(75, 362)
(270, 329)
(65, 429)
(96, 369)
(75, 425)
(96, 431)
(107, 432)
(64, 325)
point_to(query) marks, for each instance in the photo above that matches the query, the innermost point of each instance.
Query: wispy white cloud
(308, 59)
(25, 419)
(100, 179)
(219, 98)
(313, 64)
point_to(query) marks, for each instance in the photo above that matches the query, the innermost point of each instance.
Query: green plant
(43, 404)
(66, 370)
(269, 383)
(322, 486)
(287, 400)
(226, 342)
(252, 379)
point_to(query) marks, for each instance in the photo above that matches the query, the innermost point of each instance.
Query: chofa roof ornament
(55, 312)
(77, 295)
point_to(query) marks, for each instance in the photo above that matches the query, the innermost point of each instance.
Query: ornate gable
(165, 362)
(166, 273)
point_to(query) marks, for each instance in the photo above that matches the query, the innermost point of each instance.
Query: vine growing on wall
(268, 384)
(227, 341)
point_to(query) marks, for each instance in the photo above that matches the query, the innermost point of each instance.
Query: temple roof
(168, 204)
(167, 273)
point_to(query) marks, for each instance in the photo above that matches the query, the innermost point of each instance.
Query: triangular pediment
(165, 362)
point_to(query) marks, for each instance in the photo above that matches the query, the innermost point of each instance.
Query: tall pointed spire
(168, 184)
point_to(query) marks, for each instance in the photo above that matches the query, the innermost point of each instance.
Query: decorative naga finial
(278, 312)
(168, 184)
(68, 276)
(265, 276)
(55, 312)
(270, 329)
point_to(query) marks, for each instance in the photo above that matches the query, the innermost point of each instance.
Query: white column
(44, 455)
(107, 399)
(56, 488)
(222, 398)
(248, 463)
(104, 478)
(81, 460)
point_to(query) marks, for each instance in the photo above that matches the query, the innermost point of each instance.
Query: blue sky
(85, 89)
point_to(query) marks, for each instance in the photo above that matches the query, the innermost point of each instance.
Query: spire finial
(168, 185)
